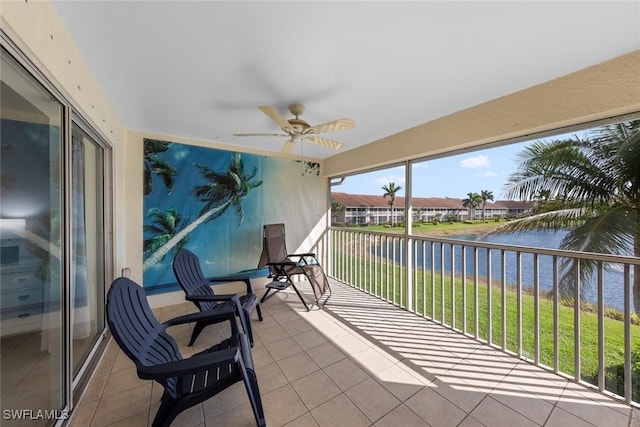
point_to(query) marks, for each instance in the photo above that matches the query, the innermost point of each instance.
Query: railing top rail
(507, 247)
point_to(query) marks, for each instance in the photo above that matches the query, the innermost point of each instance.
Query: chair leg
(199, 326)
(259, 310)
(251, 385)
(166, 412)
(249, 332)
(300, 296)
(289, 282)
(264, 297)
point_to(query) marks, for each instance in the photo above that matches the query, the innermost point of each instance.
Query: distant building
(369, 209)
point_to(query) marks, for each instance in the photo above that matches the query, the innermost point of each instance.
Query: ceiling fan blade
(275, 116)
(288, 146)
(260, 134)
(329, 143)
(335, 125)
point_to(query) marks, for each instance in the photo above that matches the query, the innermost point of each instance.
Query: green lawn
(427, 228)
(388, 283)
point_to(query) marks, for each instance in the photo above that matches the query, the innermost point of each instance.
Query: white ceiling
(199, 69)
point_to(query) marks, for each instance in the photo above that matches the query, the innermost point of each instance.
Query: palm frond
(564, 169)
(630, 165)
(165, 171)
(553, 220)
(154, 146)
(610, 233)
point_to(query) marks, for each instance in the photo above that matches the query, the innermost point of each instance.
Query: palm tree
(154, 164)
(595, 187)
(221, 192)
(164, 226)
(336, 207)
(485, 195)
(390, 190)
(472, 201)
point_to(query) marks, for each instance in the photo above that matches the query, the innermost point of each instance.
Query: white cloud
(385, 180)
(180, 153)
(486, 174)
(475, 162)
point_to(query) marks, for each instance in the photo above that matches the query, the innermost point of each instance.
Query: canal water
(613, 276)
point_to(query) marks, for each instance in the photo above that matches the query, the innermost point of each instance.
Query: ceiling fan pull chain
(301, 157)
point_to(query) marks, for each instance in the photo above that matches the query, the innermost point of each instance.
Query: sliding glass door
(31, 257)
(53, 241)
(88, 243)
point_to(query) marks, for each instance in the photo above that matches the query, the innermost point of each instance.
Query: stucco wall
(39, 33)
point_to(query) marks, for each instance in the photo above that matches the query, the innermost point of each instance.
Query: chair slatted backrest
(136, 329)
(186, 267)
(275, 243)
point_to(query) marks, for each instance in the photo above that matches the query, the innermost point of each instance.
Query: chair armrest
(302, 258)
(246, 280)
(303, 255)
(217, 297)
(283, 263)
(229, 297)
(199, 362)
(222, 313)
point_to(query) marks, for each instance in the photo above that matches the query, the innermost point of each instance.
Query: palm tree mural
(153, 164)
(164, 226)
(485, 195)
(472, 201)
(221, 192)
(594, 184)
(390, 190)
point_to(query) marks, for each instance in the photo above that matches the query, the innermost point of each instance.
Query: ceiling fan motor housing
(298, 126)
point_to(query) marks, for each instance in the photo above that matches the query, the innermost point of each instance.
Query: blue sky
(453, 176)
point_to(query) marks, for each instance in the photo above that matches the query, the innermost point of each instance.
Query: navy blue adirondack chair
(186, 382)
(186, 267)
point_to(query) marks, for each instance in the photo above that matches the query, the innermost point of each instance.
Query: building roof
(367, 200)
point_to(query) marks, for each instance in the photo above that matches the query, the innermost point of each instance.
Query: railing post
(536, 309)
(476, 301)
(576, 322)
(601, 356)
(628, 387)
(519, 300)
(464, 289)
(489, 299)
(453, 287)
(556, 316)
(408, 231)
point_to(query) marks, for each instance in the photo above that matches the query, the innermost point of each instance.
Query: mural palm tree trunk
(155, 257)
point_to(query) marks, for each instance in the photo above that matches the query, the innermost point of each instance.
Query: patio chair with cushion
(186, 382)
(284, 265)
(186, 267)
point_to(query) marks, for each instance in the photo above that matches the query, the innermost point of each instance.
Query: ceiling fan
(298, 130)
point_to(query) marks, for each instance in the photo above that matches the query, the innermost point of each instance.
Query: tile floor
(357, 362)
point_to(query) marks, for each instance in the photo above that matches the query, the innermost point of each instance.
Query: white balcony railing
(510, 297)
